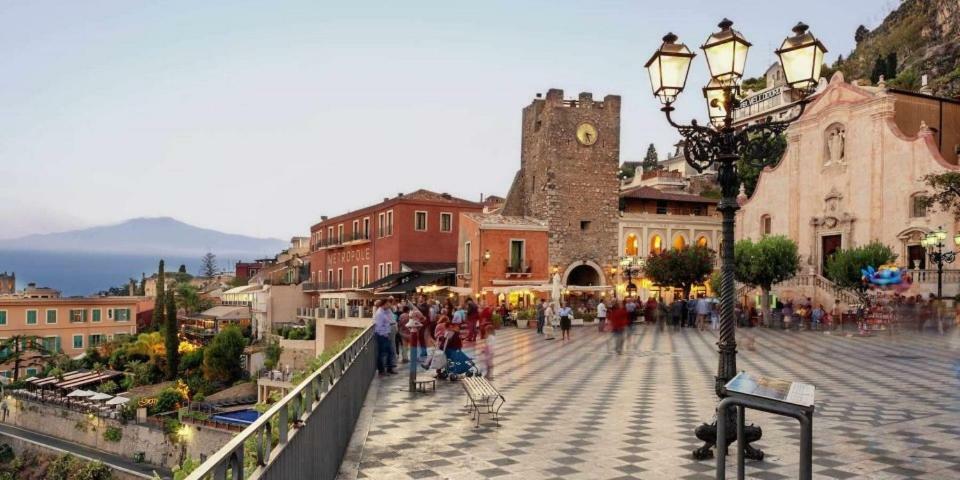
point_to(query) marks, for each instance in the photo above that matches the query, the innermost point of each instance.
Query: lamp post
(631, 269)
(721, 144)
(933, 242)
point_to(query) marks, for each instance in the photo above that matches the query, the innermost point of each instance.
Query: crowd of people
(430, 334)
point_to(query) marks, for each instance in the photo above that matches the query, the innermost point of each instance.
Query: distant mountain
(919, 37)
(148, 236)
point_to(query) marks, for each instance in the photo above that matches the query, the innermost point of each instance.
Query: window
(420, 221)
(330, 278)
(51, 343)
(380, 270)
(679, 243)
(78, 315)
(32, 372)
(366, 275)
(121, 314)
(446, 222)
(3, 317)
(918, 206)
(390, 222)
(390, 268)
(466, 258)
(765, 225)
(662, 207)
(77, 341)
(95, 313)
(339, 278)
(340, 233)
(632, 246)
(584, 224)
(381, 225)
(703, 241)
(31, 317)
(354, 277)
(366, 228)
(656, 245)
(96, 339)
(51, 316)
(516, 256)
(355, 232)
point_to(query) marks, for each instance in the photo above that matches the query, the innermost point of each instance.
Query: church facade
(853, 173)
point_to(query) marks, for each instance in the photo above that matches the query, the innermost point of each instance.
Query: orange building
(68, 325)
(502, 258)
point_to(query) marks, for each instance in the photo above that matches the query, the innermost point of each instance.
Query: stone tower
(570, 155)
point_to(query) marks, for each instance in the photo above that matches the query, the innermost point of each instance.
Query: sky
(259, 117)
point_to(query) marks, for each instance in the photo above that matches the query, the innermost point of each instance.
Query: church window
(918, 206)
(765, 225)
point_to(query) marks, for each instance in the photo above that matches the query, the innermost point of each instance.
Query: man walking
(382, 329)
(703, 312)
(601, 314)
(541, 315)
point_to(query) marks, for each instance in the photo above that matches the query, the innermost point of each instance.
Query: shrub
(188, 466)
(295, 334)
(221, 359)
(112, 434)
(109, 387)
(272, 354)
(6, 453)
(169, 399)
(191, 361)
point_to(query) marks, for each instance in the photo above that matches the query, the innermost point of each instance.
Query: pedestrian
(548, 315)
(663, 313)
(488, 349)
(412, 330)
(703, 312)
(676, 313)
(691, 312)
(4, 409)
(816, 316)
(541, 315)
(486, 317)
(631, 309)
(618, 325)
(473, 320)
(566, 320)
(601, 315)
(382, 330)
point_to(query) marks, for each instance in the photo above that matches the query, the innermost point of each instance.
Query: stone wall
(80, 428)
(20, 446)
(297, 353)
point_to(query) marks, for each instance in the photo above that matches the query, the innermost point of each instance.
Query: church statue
(835, 145)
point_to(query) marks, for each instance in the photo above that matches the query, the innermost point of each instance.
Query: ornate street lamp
(933, 242)
(722, 145)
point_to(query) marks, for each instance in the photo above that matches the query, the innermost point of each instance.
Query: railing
(930, 276)
(322, 411)
(518, 268)
(687, 211)
(819, 281)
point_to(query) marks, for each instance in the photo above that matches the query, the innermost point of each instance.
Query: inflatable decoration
(886, 276)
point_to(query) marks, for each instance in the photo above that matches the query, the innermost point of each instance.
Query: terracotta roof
(488, 219)
(416, 195)
(650, 193)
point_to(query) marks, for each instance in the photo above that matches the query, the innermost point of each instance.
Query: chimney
(323, 218)
(400, 195)
(445, 195)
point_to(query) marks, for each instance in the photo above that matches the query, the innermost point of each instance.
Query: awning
(89, 378)
(99, 397)
(226, 312)
(386, 281)
(408, 286)
(118, 401)
(80, 394)
(510, 289)
(69, 376)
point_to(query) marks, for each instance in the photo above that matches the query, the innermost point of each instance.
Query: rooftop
(498, 221)
(421, 195)
(650, 193)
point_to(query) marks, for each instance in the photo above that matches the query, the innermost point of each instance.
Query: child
(487, 350)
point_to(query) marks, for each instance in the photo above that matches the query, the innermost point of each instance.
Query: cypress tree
(170, 340)
(159, 304)
(650, 161)
(891, 66)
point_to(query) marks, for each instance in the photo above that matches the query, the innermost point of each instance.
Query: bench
(483, 395)
(420, 384)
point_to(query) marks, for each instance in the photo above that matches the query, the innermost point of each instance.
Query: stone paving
(887, 408)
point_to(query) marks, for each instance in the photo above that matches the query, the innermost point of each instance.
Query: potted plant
(523, 317)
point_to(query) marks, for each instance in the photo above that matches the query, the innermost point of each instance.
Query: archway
(703, 241)
(679, 242)
(584, 273)
(656, 245)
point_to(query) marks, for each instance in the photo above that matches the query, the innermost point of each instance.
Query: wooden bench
(420, 384)
(483, 395)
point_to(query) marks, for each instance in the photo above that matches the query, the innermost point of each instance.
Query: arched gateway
(584, 273)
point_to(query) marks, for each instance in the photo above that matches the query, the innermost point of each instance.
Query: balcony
(320, 286)
(518, 269)
(676, 211)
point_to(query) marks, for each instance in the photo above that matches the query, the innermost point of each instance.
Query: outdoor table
(781, 397)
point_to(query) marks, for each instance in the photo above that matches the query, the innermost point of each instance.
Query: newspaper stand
(781, 397)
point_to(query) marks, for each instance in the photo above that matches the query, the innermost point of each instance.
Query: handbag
(438, 361)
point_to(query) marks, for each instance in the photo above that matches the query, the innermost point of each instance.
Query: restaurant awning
(386, 281)
(226, 312)
(80, 394)
(49, 381)
(118, 401)
(89, 378)
(410, 285)
(99, 397)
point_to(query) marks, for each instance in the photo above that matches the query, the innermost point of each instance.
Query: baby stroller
(459, 365)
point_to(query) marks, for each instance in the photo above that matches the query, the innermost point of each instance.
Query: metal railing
(521, 267)
(322, 411)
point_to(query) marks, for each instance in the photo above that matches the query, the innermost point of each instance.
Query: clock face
(586, 134)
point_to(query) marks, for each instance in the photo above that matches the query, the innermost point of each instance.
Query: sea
(77, 273)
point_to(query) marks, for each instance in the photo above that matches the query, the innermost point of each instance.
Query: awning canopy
(410, 285)
(80, 394)
(387, 281)
(226, 312)
(99, 397)
(118, 401)
(87, 379)
(49, 381)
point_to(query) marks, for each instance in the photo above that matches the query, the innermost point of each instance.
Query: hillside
(919, 37)
(147, 236)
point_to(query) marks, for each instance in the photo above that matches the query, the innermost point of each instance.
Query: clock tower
(570, 156)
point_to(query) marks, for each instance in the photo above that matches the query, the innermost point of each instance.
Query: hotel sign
(760, 97)
(348, 256)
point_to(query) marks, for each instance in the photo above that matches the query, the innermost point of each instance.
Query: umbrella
(118, 401)
(101, 396)
(555, 293)
(80, 393)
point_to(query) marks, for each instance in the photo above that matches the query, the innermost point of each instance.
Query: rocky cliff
(920, 37)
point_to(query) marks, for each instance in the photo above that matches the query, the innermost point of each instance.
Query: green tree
(944, 193)
(12, 350)
(160, 303)
(681, 268)
(221, 359)
(760, 150)
(891, 65)
(189, 299)
(171, 341)
(843, 267)
(879, 68)
(272, 354)
(627, 171)
(143, 285)
(764, 263)
(650, 160)
(208, 265)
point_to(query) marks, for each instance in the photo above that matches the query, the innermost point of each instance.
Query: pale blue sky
(258, 117)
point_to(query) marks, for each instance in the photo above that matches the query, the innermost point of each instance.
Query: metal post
(741, 442)
(806, 447)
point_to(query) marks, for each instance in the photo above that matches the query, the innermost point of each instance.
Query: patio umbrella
(118, 401)
(80, 394)
(101, 396)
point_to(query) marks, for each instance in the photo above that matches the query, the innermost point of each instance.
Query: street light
(933, 242)
(630, 267)
(722, 145)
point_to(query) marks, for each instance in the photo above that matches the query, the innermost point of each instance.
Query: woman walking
(566, 320)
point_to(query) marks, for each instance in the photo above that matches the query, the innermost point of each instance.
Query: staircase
(813, 285)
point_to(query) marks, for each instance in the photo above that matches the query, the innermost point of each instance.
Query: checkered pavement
(888, 407)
